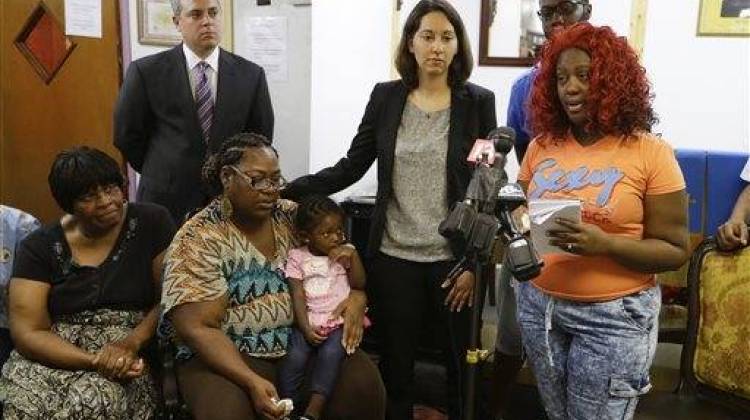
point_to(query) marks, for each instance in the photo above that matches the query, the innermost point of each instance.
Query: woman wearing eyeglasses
(420, 129)
(84, 298)
(227, 298)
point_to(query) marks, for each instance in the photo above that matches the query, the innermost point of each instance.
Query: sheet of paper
(83, 18)
(268, 45)
(542, 215)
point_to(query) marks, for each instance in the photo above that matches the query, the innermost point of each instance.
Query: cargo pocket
(623, 395)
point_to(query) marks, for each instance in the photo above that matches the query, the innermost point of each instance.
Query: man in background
(555, 15)
(177, 106)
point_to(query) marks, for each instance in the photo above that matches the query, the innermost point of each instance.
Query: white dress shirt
(192, 60)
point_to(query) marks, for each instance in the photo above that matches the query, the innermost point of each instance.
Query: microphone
(482, 156)
(503, 139)
(498, 143)
(473, 223)
(523, 261)
(481, 186)
(489, 157)
(511, 196)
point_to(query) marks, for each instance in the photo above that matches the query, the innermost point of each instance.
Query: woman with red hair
(589, 321)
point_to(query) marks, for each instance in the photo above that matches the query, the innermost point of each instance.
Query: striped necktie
(203, 99)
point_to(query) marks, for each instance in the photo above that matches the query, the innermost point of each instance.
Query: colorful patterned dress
(210, 258)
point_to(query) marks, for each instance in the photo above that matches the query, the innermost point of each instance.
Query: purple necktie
(203, 100)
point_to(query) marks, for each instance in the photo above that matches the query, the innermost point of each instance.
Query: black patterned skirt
(30, 390)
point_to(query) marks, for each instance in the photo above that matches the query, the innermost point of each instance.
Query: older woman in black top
(83, 299)
(420, 129)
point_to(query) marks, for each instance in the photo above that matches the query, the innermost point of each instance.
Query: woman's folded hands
(119, 361)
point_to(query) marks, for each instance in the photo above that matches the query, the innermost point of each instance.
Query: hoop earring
(226, 207)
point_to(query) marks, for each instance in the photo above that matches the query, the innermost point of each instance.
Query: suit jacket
(472, 116)
(157, 128)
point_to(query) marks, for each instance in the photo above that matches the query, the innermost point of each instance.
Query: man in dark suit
(177, 106)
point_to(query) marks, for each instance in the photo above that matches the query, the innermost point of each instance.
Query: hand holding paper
(543, 214)
(579, 238)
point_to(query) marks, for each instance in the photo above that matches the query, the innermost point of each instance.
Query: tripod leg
(475, 355)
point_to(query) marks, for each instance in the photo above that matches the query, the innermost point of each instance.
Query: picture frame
(155, 26)
(509, 36)
(57, 46)
(724, 18)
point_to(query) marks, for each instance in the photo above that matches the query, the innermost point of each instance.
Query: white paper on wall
(267, 45)
(83, 18)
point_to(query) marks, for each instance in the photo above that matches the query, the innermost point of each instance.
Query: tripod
(474, 355)
(482, 239)
(478, 232)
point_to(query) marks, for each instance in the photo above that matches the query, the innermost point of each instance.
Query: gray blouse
(419, 200)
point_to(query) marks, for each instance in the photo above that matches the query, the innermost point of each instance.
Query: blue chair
(693, 166)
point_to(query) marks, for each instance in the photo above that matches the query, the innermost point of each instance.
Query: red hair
(619, 99)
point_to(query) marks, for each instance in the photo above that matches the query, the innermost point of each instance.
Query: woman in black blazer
(421, 129)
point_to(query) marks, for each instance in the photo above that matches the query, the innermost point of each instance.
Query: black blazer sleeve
(132, 117)
(353, 166)
(260, 119)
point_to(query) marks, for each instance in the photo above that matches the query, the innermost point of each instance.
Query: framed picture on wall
(509, 33)
(155, 26)
(724, 18)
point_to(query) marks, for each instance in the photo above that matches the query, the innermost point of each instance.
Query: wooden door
(43, 110)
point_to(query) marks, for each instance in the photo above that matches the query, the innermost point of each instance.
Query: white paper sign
(267, 46)
(83, 18)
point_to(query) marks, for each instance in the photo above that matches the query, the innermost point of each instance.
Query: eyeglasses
(93, 195)
(564, 9)
(261, 184)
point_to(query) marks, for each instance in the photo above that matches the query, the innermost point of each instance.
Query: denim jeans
(328, 357)
(590, 360)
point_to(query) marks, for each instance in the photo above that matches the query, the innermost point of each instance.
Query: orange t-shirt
(611, 178)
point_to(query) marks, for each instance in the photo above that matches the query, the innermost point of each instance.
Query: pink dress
(325, 282)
